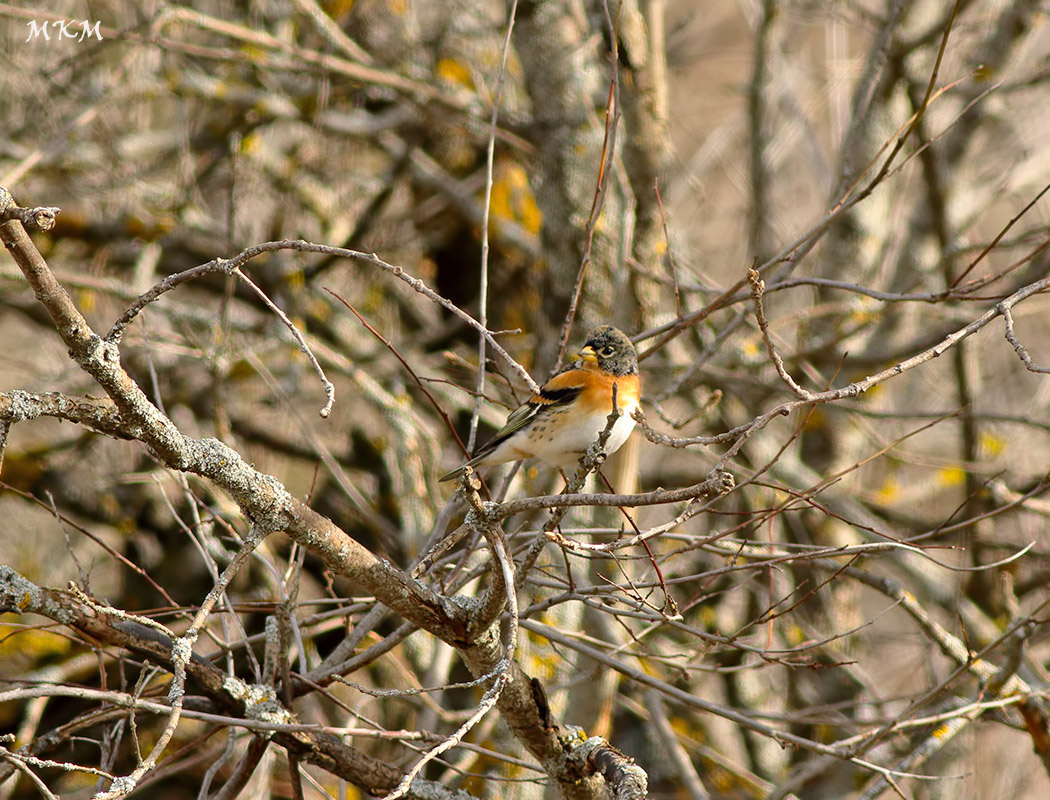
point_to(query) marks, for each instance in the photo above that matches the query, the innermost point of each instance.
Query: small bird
(572, 408)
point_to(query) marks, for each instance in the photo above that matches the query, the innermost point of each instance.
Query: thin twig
(612, 118)
(758, 286)
(507, 596)
(1022, 351)
(408, 367)
(329, 388)
(670, 251)
(483, 290)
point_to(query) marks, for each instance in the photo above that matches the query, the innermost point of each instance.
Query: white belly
(561, 444)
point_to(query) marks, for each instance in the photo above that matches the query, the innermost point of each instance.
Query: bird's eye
(608, 350)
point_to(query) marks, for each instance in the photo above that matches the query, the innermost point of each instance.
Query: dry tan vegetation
(820, 573)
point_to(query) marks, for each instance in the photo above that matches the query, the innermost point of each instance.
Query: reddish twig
(408, 367)
(612, 117)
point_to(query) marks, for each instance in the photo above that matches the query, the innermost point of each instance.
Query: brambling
(572, 408)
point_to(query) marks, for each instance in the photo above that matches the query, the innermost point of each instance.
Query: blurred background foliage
(191, 131)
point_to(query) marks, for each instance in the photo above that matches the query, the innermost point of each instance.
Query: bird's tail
(456, 474)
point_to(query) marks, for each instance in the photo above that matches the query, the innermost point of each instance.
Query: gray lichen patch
(260, 702)
(18, 593)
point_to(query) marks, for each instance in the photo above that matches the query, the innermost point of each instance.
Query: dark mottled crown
(613, 349)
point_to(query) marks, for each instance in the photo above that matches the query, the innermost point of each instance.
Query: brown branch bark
(270, 507)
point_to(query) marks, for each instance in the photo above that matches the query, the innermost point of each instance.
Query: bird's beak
(588, 355)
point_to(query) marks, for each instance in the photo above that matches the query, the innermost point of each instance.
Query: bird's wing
(560, 390)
